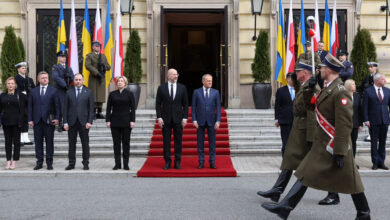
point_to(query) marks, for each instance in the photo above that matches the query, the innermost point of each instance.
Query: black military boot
(331, 199)
(361, 204)
(278, 188)
(283, 208)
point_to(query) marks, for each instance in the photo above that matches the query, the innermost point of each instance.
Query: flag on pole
(97, 32)
(108, 44)
(280, 49)
(61, 37)
(290, 48)
(301, 32)
(73, 60)
(326, 31)
(334, 36)
(118, 51)
(317, 36)
(86, 41)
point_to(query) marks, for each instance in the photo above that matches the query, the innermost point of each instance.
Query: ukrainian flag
(61, 37)
(108, 43)
(281, 49)
(86, 41)
(326, 31)
(301, 33)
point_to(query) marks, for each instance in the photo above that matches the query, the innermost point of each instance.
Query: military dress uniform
(97, 86)
(347, 71)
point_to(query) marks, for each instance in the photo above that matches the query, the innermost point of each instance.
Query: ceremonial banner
(118, 52)
(290, 48)
(301, 32)
(326, 31)
(61, 37)
(73, 60)
(334, 37)
(108, 45)
(86, 41)
(280, 49)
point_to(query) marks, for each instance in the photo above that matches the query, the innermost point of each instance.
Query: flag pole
(310, 20)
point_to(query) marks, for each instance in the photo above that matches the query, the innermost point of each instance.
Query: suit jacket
(172, 110)
(46, 108)
(120, 108)
(80, 107)
(12, 108)
(347, 71)
(373, 111)
(284, 106)
(322, 54)
(206, 111)
(357, 116)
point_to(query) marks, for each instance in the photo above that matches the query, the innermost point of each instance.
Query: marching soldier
(24, 86)
(347, 71)
(96, 63)
(302, 133)
(329, 165)
(63, 76)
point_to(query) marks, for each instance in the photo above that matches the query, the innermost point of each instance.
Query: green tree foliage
(261, 67)
(359, 57)
(371, 49)
(133, 68)
(21, 48)
(10, 55)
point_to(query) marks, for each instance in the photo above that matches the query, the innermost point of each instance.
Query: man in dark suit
(284, 110)
(376, 103)
(43, 115)
(322, 53)
(78, 117)
(206, 114)
(172, 113)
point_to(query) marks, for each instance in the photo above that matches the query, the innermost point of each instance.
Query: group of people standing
(69, 105)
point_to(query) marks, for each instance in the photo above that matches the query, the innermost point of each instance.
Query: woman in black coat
(120, 117)
(12, 109)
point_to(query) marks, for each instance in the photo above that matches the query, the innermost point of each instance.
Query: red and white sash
(326, 126)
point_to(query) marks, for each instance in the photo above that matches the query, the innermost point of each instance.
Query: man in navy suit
(376, 103)
(43, 115)
(206, 114)
(172, 113)
(284, 110)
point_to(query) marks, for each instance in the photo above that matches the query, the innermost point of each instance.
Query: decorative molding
(358, 8)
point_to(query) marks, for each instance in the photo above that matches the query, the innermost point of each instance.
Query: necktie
(292, 93)
(78, 92)
(207, 95)
(380, 95)
(172, 91)
(42, 91)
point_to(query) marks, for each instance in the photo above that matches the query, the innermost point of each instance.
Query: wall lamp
(257, 6)
(386, 8)
(127, 7)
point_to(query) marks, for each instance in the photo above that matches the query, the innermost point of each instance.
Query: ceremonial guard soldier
(63, 76)
(329, 165)
(24, 86)
(307, 55)
(97, 64)
(347, 71)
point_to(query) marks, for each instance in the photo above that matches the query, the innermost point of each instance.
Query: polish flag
(73, 60)
(290, 48)
(97, 32)
(334, 35)
(118, 54)
(317, 36)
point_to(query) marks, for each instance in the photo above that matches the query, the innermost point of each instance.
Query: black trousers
(284, 133)
(177, 133)
(354, 136)
(72, 136)
(12, 136)
(43, 130)
(378, 153)
(121, 139)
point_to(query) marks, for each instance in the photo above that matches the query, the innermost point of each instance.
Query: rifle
(101, 69)
(27, 86)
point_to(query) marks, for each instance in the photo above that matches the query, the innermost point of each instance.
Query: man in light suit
(78, 117)
(172, 113)
(284, 110)
(206, 114)
(43, 115)
(376, 103)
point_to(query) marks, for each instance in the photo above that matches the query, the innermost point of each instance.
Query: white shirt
(81, 88)
(174, 88)
(204, 91)
(44, 89)
(380, 89)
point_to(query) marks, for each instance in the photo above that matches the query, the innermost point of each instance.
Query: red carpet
(153, 166)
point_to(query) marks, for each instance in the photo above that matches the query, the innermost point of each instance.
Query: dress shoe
(374, 167)
(167, 166)
(330, 199)
(177, 166)
(212, 166)
(126, 167)
(13, 165)
(86, 167)
(28, 143)
(100, 116)
(69, 167)
(49, 167)
(38, 167)
(201, 165)
(115, 167)
(21, 144)
(8, 165)
(278, 188)
(382, 166)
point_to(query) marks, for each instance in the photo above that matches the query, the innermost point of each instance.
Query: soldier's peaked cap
(333, 63)
(61, 53)
(304, 65)
(372, 64)
(96, 43)
(20, 65)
